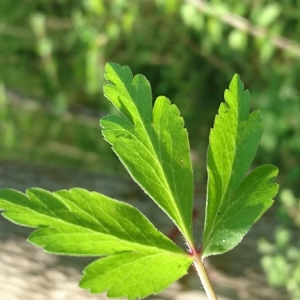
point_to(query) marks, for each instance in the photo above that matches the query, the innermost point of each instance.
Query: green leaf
(235, 202)
(152, 144)
(134, 274)
(78, 222)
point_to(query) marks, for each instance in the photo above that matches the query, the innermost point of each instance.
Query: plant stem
(201, 271)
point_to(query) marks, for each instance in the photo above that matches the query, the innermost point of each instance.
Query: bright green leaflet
(134, 274)
(78, 222)
(152, 144)
(235, 203)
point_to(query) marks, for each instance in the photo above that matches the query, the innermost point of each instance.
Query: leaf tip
(237, 83)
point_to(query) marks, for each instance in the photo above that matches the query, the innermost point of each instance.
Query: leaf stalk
(201, 271)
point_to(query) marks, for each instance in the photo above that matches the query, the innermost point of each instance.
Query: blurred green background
(52, 57)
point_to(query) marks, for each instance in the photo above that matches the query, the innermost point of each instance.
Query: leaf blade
(233, 144)
(153, 145)
(154, 272)
(98, 219)
(78, 222)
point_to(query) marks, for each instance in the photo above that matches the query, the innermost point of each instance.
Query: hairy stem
(201, 271)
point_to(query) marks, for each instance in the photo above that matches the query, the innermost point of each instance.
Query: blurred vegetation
(54, 52)
(52, 57)
(281, 259)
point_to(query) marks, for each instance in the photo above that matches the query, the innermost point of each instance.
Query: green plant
(152, 143)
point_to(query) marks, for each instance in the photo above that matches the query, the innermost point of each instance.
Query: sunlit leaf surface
(138, 259)
(235, 202)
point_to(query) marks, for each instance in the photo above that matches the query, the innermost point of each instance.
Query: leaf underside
(152, 144)
(78, 222)
(235, 202)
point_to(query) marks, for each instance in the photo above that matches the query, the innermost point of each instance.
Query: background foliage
(52, 55)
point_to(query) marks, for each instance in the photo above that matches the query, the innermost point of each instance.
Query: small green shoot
(136, 259)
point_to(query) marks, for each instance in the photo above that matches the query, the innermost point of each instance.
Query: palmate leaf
(235, 202)
(152, 144)
(137, 257)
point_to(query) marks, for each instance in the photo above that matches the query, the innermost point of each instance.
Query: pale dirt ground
(27, 273)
